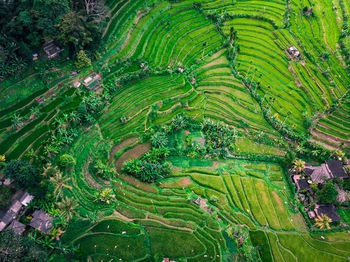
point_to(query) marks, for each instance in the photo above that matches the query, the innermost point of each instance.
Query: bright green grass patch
(116, 227)
(245, 145)
(260, 166)
(174, 243)
(214, 182)
(306, 252)
(126, 248)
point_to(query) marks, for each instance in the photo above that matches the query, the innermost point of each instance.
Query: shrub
(66, 161)
(328, 194)
(22, 173)
(159, 140)
(82, 60)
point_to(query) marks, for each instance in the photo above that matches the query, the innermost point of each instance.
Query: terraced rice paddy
(173, 58)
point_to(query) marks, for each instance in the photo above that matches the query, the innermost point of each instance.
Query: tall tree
(323, 222)
(67, 206)
(299, 165)
(60, 182)
(76, 31)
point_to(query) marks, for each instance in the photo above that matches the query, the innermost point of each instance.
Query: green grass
(163, 241)
(260, 240)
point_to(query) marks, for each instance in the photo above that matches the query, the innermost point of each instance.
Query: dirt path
(132, 153)
(89, 179)
(121, 145)
(167, 225)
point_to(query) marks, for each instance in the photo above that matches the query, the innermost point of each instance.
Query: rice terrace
(175, 130)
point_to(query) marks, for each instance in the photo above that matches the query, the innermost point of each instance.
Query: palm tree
(300, 149)
(74, 117)
(50, 171)
(340, 154)
(299, 165)
(60, 182)
(315, 152)
(33, 112)
(323, 222)
(16, 121)
(159, 139)
(67, 206)
(105, 195)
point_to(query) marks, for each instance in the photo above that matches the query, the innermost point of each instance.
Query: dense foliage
(27, 25)
(327, 194)
(15, 248)
(150, 167)
(22, 173)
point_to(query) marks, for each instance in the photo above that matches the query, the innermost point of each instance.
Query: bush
(66, 161)
(22, 173)
(328, 194)
(82, 60)
(20, 248)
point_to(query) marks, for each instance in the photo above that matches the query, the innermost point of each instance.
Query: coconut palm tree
(159, 140)
(60, 182)
(340, 154)
(315, 152)
(17, 121)
(301, 149)
(299, 165)
(67, 206)
(49, 170)
(105, 195)
(323, 222)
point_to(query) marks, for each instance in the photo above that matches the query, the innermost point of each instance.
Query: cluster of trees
(218, 135)
(17, 248)
(150, 167)
(27, 24)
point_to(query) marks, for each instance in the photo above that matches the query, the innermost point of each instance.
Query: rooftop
(320, 174)
(41, 221)
(17, 227)
(336, 169)
(302, 184)
(328, 210)
(25, 199)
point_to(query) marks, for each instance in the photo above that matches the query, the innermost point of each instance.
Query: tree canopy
(26, 25)
(22, 173)
(15, 248)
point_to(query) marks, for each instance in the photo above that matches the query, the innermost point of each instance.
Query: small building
(42, 221)
(302, 184)
(330, 169)
(51, 49)
(329, 211)
(35, 57)
(92, 82)
(292, 50)
(39, 100)
(10, 215)
(26, 199)
(320, 174)
(17, 227)
(336, 169)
